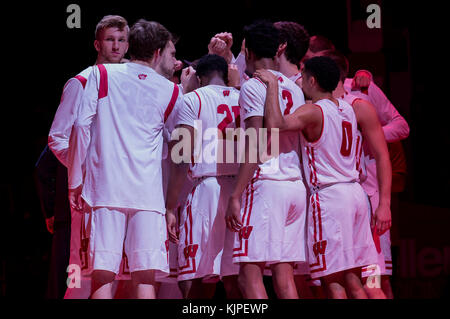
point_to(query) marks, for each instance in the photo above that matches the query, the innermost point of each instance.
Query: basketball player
(202, 233)
(339, 236)
(394, 128)
(111, 44)
(270, 226)
(118, 137)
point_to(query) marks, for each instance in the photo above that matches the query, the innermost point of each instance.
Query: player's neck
(287, 68)
(216, 81)
(150, 63)
(340, 91)
(319, 95)
(100, 60)
(266, 63)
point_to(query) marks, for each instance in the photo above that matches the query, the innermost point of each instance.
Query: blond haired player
(118, 137)
(339, 236)
(111, 44)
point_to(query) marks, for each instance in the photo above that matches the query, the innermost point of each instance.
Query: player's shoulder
(81, 77)
(86, 72)
(252, 86)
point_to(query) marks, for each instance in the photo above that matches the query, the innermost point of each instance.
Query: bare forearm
(246, 172)
(273, 117)
(384, 177)
(178, 173)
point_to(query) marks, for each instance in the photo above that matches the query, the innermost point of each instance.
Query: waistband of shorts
(199, 179)
(316, 189)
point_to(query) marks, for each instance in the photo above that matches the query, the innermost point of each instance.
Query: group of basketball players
(161, 196)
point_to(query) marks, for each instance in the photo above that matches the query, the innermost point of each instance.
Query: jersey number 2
(286, 95)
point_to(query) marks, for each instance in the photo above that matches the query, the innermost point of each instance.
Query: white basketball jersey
(119, 136)
(214, 112)
(295, 77)
(285, 166)
(360, 162)
(332, 158)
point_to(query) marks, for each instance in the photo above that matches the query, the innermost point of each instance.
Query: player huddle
(146, 207)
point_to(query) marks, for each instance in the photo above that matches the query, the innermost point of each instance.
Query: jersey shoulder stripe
(172, 102)
(103, 88)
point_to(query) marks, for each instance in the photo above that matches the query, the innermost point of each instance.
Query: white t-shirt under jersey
(119, 136)
(285, 166)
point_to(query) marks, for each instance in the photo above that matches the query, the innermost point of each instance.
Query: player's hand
(234, 78)
(361, 80)
(171, 221)
(178, 65)
(233, 214)
(381, 220)
(266, 77)
(50, 222)
(75, 199)
(227, 37)
(216, 46)
(189, 80)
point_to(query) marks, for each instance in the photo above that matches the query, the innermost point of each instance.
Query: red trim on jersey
(103, 87)
(82, 80)
(312, 166)
(169, 108)
(323, 124)
(358, 153)
(200, 107)
(260, 81)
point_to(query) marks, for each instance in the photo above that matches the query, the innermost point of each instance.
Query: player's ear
(281, 49)
(97, 45)
(247, 54)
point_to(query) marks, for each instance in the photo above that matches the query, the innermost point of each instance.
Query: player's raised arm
(373, 134)
(307, 115)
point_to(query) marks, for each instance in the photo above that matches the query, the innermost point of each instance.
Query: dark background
(41, 53)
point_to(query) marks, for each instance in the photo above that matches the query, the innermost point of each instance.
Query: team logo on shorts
(190, 251)
(245, 232)
(142, 76)
(320, 247)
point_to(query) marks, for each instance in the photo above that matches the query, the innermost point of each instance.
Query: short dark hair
(340, 59)
(320, 43)
(146, 37)
(261, 38)
(210, 63)
(111, 21)
(325, 70)
(297, 39)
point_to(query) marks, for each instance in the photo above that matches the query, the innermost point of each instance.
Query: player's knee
(102, 277)
(144, 277)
